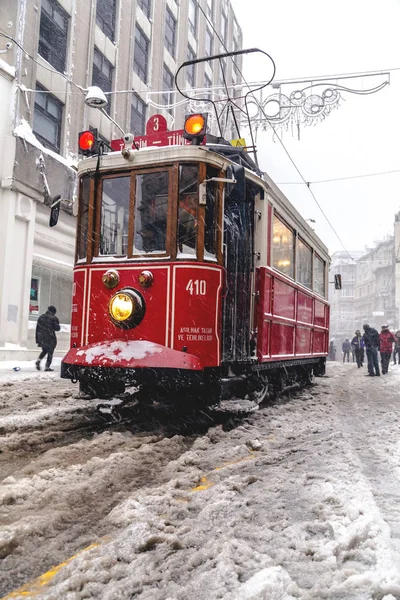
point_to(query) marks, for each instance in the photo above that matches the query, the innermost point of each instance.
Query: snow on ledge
(8, 69)
(24, 131)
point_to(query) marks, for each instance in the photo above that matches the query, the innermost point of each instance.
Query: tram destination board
(157, 134)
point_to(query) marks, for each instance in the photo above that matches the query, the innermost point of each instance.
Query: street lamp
(95, 97)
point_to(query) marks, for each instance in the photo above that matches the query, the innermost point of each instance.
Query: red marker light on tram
(195, 127)
(146, 278)
(87, 142)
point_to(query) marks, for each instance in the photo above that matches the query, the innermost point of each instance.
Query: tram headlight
(126, 308)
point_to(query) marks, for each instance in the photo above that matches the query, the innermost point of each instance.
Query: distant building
(375, 297)
(370, 287)
(342, 301)
(128, 46)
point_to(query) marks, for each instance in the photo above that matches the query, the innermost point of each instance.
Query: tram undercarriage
(187, 389)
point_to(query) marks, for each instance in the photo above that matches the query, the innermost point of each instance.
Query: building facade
(370, 288)
(51, 51)
(342, 301)
(375, 297)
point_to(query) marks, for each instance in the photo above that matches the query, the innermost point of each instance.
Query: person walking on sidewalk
(396, 351)
(358, 344)
(386, 340)
(371, 343)
(346, 347)
(46, 328)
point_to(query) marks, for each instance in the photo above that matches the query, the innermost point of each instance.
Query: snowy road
(299, 500)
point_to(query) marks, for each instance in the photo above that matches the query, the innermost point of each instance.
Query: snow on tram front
(185, 277)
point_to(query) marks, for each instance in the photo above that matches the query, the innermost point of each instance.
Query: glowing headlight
(121, 307)
(127, 308)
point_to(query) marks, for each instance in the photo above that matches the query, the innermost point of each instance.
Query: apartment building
(51, 51)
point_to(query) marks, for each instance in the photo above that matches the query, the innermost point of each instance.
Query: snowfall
(299, 500)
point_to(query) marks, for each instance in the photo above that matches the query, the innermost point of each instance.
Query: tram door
(238, 257)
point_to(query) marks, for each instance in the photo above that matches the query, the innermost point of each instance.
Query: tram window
(319, 275)
(210, 217)
(114, 216)
(304, 264)
(282, 247)
(151, 210)
(187, 209)
(83, 218)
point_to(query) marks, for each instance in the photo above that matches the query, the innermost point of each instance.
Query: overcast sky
(310, 38)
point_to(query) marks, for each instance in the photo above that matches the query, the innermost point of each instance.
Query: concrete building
(50, 52)
(342, 301)
(375, 297)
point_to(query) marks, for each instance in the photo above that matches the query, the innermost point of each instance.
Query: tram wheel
(260, 391)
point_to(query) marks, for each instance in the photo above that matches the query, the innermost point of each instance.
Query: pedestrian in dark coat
(358, 344)
(386, 341)
(396, 351)
(346, 347)
(46, 328)
(371, 342)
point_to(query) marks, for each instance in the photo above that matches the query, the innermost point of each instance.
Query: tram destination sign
(157, 134)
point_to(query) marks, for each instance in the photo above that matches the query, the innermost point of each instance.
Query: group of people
(373, 342)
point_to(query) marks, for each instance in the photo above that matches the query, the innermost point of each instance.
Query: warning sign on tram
(157, 134)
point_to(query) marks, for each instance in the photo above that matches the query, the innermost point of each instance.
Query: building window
(282, 247)
(304, 264)
(223, 26)
(145, 6)
(34, 296)
(170, 32)
(222, 71)
(190, 70)
(105, 17)
(53, 34)
(168, 83)
(208, 43)
(102, 74)
(141, 54)
(138, 116)
(47, 119)
(319, 276)
(208, 86)
(193, 17)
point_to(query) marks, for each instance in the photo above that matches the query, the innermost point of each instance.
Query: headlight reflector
(121, 307)
(126, 308)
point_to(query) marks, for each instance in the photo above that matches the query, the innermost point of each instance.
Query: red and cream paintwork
(183, 317)
(291, 322)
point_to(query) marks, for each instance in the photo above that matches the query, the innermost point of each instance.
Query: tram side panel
(290, 322)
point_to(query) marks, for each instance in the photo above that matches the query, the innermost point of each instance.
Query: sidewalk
(18, 370)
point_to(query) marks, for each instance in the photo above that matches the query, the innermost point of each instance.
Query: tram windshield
(154, 211)
(114, 216)
(151, 211)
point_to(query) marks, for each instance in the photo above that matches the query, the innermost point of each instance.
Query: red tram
(193, 274)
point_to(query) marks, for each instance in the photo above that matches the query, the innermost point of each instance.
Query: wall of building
(31, 174)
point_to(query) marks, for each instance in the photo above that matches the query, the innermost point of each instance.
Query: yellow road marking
(33, 588)
(235, 462)
(205, 484)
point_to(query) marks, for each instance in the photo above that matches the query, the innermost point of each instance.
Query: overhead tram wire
(339, 178)
(275, 132)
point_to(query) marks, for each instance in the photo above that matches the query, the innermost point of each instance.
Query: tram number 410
(196, 287)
